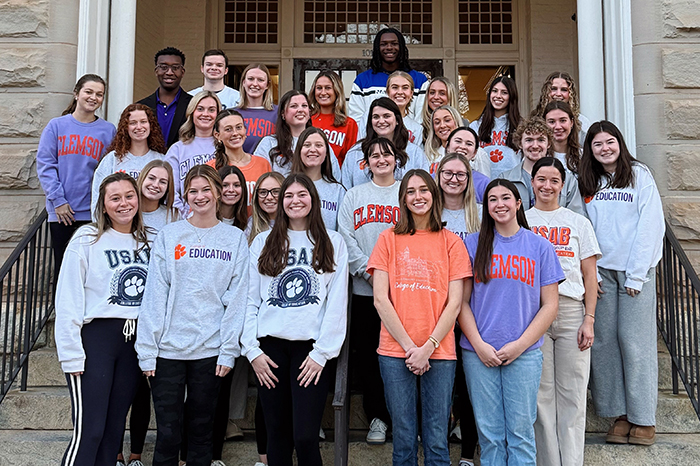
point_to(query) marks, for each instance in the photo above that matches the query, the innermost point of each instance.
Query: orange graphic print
(496, 155)
(179, 251)
(363, 164)
(588, 199)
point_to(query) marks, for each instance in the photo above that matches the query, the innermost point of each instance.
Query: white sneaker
(456, 433)
(377, 432)
(259, 464)
(466, 463)
(218, 463)
(321, 433)
(135, 463)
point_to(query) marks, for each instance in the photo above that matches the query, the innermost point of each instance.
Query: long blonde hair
(340, 112)
(104, 223)
(426, 114)
(471, 212)
(259, 220)
(187, 130)
(433, 142)
(407, 77)
(267, 96)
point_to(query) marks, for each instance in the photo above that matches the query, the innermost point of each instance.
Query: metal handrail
(26, 301)
(341, 399)
(678, 304)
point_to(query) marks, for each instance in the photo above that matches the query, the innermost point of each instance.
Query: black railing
(678, 289)
(341, 399)
(26, 300)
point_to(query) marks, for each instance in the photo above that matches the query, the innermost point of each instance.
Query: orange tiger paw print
(179, 251)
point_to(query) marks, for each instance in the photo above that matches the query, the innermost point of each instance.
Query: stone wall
(666, 44)
(38, 60)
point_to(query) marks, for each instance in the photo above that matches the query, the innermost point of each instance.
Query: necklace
(455, 214)
(547, 222)
(196, 231)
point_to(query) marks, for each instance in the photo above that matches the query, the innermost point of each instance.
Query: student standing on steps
(296, 320)
(367, 210)
(191, 320)
(465, 141)
(565, 128)
(215, 68)
(623, 203)
(98, 295)
(440, 91)
(560, 86)
(68, 153)
(137, 142)
(257, 106)
(444, 120)
(560, 430)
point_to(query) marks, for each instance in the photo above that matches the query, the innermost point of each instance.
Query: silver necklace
(196, 231)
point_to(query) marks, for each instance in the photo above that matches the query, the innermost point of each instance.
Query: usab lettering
(559, 237)
(374, 213)
(127, 257)
(129, 277)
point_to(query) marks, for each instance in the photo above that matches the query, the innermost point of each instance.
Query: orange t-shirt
(420, 268)
(251, 172)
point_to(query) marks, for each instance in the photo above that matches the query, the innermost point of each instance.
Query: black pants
(292, 413)
(463, 406)
(60, 236)
(365, 325)
(140, 417)
(168, 389)
(101, 396)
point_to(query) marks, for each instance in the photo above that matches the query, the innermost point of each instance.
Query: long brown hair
(259, 219)
(591, 172)
(545, 97)
(406, 225)
(400, 136)
(168, 198)
(122, 141)
(104, 223)
(573, 147)
(273, 257)
(283, 132)
(488, 115)
(340, 112)
(212, 176)
(220, 156)
(326, 167)
(484, 248)
(471, 212)
(240, 208)
(87, 78)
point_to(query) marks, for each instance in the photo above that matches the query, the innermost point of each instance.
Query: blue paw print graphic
(294, 288)
(133, 286)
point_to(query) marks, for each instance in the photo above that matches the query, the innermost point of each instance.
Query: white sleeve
(264, 146)
(482, 163)
(357, 105)
(104, 169)
(235, 308)
(357, 259)
(335, 166)
(250, 346)
(173, 158)
(335, 317)
(418, 102)
(648, 240)
(70, 307)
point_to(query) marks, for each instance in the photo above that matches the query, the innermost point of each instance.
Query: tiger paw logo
(179, 251)
(588, 199)
(127, 286)
(294, 288)
(363, 164)
(496, 155)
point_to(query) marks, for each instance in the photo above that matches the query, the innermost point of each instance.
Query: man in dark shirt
(169, 102)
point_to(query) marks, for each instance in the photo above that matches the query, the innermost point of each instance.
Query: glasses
(447, 175)
(262, 193)
(164, 68)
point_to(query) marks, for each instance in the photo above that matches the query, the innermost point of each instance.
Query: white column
(93, 39)
(591, 70)
(122, 44)
(619, 82)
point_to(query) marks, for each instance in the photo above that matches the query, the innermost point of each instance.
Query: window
(358, 21)
(250, 22)
(485, 22)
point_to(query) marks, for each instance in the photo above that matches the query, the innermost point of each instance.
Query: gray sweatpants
(624, 360)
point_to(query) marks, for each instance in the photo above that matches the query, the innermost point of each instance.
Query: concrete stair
(35, 427)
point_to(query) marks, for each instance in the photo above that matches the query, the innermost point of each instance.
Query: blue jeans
(401, 392)
(505, 407)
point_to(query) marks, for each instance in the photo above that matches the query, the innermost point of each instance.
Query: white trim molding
(122, 53)
(591, 70)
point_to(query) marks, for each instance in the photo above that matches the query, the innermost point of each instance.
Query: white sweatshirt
(629, 226)
(331, 196)
(104, 279)
(130, 164)
(193, 306)
(356, 171)
(298, 304)
(502, 157)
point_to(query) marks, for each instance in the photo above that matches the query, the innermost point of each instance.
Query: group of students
(176, 262)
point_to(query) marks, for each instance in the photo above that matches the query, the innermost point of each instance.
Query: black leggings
(168, 388)
(60, 236)
(463, 406)
(140, 417)
(292, 413)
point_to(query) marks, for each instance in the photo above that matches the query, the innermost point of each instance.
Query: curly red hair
(122, 141)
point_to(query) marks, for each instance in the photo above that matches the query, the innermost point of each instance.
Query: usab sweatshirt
(366, 211)
(98, 280)
(194, 302)
(356, 172)
(299, 304)
(629, 226)
(66, 159)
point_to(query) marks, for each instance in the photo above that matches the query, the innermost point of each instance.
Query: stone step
(44, 369)
(45, 448)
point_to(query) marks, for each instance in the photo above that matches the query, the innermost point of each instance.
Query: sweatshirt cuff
(318, 357)
(147, 364)
(634, 283)
(58, 202)
(253, 353)
(225, 360)
(366, 276)
(74, 365)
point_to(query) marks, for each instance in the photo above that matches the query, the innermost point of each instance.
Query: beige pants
(560, 428)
